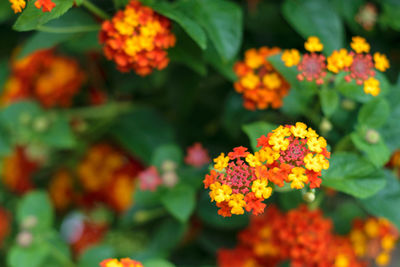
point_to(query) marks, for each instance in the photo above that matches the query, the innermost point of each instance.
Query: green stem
(76, 29)
(104, 111)
(95, 10)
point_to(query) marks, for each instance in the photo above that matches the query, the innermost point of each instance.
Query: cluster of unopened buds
(19, 5)
(292, 154)
(358, 65)
(258, 81)
(137, 38)
(305, 238)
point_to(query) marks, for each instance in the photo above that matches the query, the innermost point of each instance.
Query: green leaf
(329, 101)
(222, 20)
(390, 15)
(351, 89)
(378, 153)
(141, 132)
(375, 113)
(191, 27)
(256, 130)
(4, 72)
(36, 204)
(315, 18)
(32, 18)
(180, 202)
(386, 203)
(391, 132)
(157, 263)
(33, 256)
(351, 174)
(167, 152)
(225, 68)
(59, 134)
(344, 215)
(5, 11)
(94, 255)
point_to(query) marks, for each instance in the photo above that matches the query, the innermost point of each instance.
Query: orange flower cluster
(106, 175)
(18, 170)
(137, 38)
(51, 79)
(126, 262)
(19, 5)
(302, 236)
(261, 85)
(394, 162)
(358, 64)
(293, 154)
(374, 239)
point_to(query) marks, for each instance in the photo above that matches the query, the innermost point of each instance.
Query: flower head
(261, 85)
(125, 262)
(360, 45)
(61, 190)
(197, 155)
(149, 179)
(45, 5)
(17, 5)
(137, 38)
(371, 86)
(339, 60)
(367, 16)
(291, 57)
(381, 62)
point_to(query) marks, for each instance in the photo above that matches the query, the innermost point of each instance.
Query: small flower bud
(25, 118)
(29, 222)
(24, 239)
(41, 124)
(372, 136)
(309, 197)
(168, 166)
(169, 179)
(325, 126)
(348, 104)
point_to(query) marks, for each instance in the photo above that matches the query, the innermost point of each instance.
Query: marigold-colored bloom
(339, 60)
(291, 57)
(371, 86)
(18, 170)
(374, 239)
(197, 155)
(261, 85)
(61, 190)
(109, 175)
(149, 179)
(137, 38)
(125, 262)
(51, 79)
(313, 44)
(360, 45)
(45, 5)
(17, 5)
(298, 155)
(381, 62)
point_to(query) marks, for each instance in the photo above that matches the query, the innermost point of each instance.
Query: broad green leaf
(141, 132)
(94, 255)
(36, 204)
(157, 263)
(59, 134)
(33, 256)
(224, 67)
(5, 11)
(387, 201)
(255, 130)
(222, 20)
(180, 201)
(391, 132)
(390, 15)
(378, 153)
(329, 101)
(374, 114)
(169, 152)
(351, 174)
(32, 18)
(191, 27)
(315, 18)
(351, 89)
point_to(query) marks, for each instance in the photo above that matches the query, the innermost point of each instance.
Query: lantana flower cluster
(293, 154)
(51, 79)
(358, 65)
(302, 236)
(137, 38)
(258, 81)
(374, 239)
(125, 262)
(19, 5)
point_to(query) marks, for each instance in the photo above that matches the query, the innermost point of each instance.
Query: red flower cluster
(302, 236)
(137, 38)
(51, 79)
(17, 171)
(261, 85)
